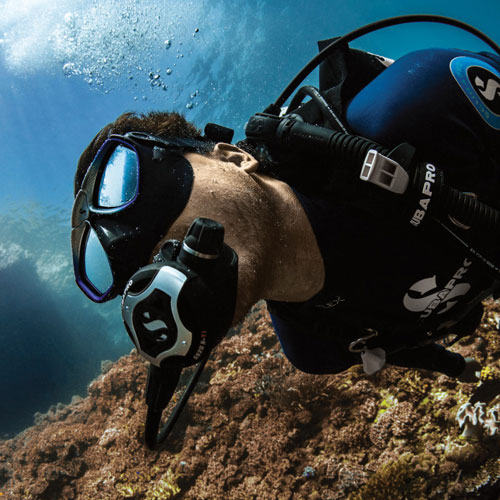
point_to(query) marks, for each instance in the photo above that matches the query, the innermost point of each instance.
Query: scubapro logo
(430, 178)
(155, 326)
(487, 85)
(426, 297)
(489, 90)
(480, 81)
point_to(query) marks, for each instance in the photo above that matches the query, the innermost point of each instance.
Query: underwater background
(67, 68)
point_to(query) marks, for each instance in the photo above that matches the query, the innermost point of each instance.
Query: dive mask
(135, 188)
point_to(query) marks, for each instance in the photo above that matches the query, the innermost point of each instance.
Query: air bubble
(189, 105)
(168, 44)
(69, 69)
(168, 71)
(69, 19)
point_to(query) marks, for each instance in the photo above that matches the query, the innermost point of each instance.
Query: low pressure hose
(467, 209)
(304, 137)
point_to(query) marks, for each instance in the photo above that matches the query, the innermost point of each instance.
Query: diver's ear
(231, 153)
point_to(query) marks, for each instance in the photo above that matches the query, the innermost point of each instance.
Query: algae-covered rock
(468, 455)
(259, 425)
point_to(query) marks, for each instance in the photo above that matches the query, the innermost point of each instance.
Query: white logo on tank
(491, 90)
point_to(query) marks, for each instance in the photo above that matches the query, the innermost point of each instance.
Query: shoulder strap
(345, 72)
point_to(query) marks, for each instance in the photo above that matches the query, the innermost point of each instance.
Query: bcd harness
(394, 180)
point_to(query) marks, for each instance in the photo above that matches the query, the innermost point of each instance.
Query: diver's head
(143, 180)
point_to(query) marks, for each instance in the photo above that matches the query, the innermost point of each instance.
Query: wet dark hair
(160, 123)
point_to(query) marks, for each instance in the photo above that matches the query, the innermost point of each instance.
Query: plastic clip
(384, 172)
(373, 360)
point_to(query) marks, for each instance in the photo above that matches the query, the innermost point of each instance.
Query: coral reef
(492, 422)
(471, 419)
(395, 479)
(257, 428)
(478, 423)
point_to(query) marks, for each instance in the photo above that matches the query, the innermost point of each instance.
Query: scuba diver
(366, 217)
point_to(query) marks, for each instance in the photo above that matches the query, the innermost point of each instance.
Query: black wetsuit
(401, 281)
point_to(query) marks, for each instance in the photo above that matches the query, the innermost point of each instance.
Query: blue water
(67, 68)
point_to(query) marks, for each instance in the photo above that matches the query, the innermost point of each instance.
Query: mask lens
(120, 179)
(97, 268)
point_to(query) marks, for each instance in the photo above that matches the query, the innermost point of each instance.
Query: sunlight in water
(96, 40)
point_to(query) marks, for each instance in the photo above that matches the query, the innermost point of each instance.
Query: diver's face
(222, 190)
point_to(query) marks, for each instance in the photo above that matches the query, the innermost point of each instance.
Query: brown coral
(398, 421)
(247, 436)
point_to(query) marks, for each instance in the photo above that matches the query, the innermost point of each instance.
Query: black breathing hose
(153, 418)
(160, 388)
(304, 137)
